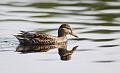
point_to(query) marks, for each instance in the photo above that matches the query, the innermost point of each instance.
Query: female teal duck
(27, 38)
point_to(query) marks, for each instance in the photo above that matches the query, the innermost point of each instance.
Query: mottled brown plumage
(27, 38)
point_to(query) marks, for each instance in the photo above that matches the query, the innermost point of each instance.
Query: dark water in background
(96, 22)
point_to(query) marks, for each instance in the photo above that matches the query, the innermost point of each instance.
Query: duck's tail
(23, 37)
(22, 40)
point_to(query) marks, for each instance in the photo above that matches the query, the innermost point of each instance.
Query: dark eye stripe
(68, 28)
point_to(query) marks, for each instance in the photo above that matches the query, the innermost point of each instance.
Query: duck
(30, 38)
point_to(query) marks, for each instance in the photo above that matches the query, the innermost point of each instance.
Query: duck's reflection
(62, 50)
(65, 54)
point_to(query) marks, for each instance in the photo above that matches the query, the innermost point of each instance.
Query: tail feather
(21, 39)
(25, 33)
(18, 36)
(26, 41)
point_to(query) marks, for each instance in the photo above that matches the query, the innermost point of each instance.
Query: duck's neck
(61, 33)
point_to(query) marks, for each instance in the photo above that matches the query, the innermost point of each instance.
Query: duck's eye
(69, 29)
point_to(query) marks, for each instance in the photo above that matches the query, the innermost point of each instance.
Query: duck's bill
(73, 34)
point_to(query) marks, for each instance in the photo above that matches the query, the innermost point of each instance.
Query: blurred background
(96, 20)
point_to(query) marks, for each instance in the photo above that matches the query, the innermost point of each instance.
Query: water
(96, 22)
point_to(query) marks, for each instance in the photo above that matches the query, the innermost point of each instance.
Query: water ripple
(96, 22)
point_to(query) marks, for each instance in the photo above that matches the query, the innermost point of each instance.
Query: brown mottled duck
(27, 38)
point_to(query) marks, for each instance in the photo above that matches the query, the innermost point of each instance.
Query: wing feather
(29, 37)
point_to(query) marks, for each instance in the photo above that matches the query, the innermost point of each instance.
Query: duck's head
(64, 30)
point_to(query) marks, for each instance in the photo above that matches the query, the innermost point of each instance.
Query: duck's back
(36, 38)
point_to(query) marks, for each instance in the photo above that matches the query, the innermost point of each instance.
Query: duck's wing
(28, 37)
